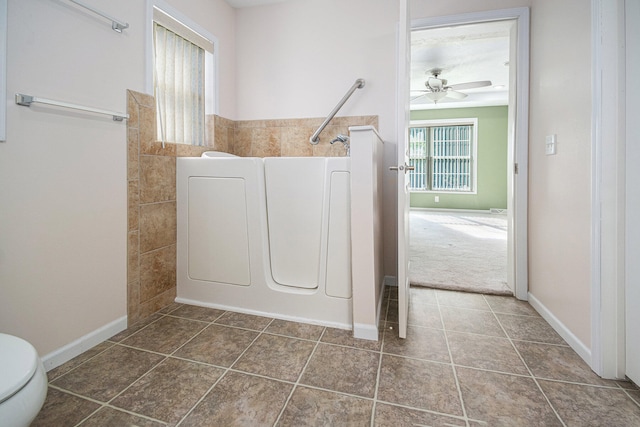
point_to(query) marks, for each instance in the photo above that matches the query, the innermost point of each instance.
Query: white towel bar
(27, 100)
(116, 25)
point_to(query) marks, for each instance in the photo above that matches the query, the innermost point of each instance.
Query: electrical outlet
(437, 199)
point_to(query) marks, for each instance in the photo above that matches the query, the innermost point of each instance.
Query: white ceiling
(238, 4)
(465, 53)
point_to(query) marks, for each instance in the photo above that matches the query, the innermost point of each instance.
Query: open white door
(404, 61)
(632, 250)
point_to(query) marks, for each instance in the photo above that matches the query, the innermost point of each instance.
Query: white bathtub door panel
(294, 191)
(218, 235)
(339, 240)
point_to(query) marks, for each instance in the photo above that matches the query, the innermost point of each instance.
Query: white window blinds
(451, 158)
(180, 93)
(442, 157)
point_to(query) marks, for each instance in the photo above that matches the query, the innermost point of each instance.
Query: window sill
(468, 193)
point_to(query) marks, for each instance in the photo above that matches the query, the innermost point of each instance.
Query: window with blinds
(443, 157)
(181, 62)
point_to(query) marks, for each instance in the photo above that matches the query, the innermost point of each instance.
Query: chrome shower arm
(357, 85)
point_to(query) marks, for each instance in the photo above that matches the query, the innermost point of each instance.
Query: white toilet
(23, 382)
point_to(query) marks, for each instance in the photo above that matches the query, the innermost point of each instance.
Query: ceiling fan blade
(456, 95)
(470, 85)
(414, 94)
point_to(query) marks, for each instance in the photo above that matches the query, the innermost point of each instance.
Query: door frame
(517, 198)
(608, 167)
(403, 67)
(632, 198)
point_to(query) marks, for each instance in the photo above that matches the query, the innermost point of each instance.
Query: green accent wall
(492, 160)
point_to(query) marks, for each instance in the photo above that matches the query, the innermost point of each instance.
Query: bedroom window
(182, 80)
(443, 155)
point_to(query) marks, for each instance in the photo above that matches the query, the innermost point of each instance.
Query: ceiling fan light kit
(438, 88)
(435, 96)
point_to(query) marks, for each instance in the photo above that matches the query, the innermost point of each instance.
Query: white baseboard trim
(371, 332)
(573, 341)
(82, 344)
(379, 307)
(365, 331)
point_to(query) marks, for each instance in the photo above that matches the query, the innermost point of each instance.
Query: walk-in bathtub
(266, 236)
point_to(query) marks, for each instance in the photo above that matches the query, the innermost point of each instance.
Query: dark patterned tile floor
(469, 360)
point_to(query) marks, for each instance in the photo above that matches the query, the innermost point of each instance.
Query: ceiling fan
(438, 88)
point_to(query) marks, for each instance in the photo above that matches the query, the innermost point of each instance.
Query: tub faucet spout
(345, 141)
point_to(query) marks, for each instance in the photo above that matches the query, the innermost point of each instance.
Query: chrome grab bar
(359, 84)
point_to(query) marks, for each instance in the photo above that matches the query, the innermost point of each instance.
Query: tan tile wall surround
(290, 137)
(151, 178)
(151, 239)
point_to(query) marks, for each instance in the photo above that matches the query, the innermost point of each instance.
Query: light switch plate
(550, 145)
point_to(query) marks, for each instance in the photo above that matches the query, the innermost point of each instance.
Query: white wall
(297, 59)
(560, 185)
(63, 192)
(63, 201)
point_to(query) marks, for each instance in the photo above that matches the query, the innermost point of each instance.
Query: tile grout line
(49, 382)
(113, 343)
(453, 367)
(135, 414)
(166, 356)
(101, 406)
(295, 385)
(224, 374)
(528, 369)
(484, 335)
(171, 355)
(375, 391)
(429, 411)
(461, 418)
(349, 346)
(606, 387)
(108, 403)
(204, 395)
(633, 399)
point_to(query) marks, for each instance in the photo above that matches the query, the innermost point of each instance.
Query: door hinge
(515, 168)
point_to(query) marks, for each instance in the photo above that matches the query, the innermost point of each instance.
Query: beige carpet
(459, 251)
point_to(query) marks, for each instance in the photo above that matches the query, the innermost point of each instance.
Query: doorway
(515, 28)
(458, 222)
